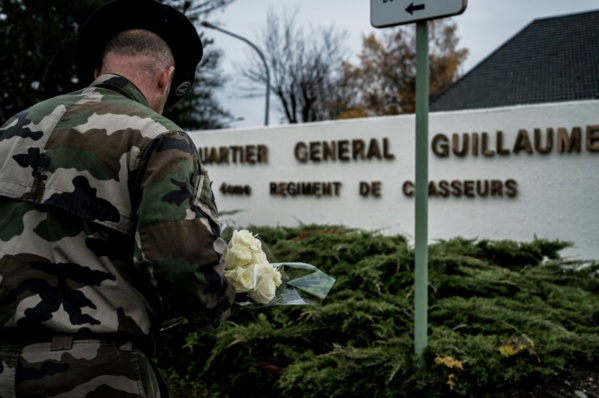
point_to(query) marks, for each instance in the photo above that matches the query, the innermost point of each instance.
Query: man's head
(132, 29)
(144, 58)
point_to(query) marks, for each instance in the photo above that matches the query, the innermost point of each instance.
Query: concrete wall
(526, 171)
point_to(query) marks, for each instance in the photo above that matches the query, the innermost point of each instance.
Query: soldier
(108, 227)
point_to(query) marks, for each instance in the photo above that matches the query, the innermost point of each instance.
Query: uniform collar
(121, 85)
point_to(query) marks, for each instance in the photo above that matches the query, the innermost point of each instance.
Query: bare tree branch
(303, 67)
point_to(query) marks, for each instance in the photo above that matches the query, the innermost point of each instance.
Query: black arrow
(411, 8)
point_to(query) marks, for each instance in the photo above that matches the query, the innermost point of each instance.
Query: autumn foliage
(385, 76)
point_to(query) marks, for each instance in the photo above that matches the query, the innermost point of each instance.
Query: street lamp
(211, 26)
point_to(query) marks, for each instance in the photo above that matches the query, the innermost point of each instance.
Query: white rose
(277, 276)
(246, 238)
(266, 288)
(260, 258)
(244, 279)
(237, 256)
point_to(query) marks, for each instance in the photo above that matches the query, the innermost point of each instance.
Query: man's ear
(97, 72)
(165, 79)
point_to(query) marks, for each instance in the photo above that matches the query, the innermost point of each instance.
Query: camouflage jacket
(108, 219)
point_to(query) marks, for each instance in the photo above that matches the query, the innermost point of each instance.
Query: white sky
(482, 28)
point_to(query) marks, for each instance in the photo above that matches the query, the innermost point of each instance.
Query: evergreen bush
(501, 314)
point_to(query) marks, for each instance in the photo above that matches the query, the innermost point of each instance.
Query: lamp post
(211, 26)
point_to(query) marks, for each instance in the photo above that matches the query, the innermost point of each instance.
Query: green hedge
(501, 314)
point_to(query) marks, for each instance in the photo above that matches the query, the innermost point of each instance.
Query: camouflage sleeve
(178, 236)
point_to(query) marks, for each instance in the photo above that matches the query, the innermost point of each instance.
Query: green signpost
(386, 13)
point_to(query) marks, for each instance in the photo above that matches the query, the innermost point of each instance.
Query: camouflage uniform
(108, 229)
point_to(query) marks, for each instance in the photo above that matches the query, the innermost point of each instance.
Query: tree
(386, 74)
(303, 68)
(38, 60)
(194, 9)
(37, 50)
(199, 109)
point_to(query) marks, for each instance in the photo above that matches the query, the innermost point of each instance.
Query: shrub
(500, 314)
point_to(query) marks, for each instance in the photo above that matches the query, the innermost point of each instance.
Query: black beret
(119, 15)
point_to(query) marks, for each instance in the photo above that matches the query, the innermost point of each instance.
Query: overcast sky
(482, 28)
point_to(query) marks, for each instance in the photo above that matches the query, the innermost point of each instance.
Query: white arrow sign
(384, 13)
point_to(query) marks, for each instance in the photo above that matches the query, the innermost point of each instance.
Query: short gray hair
(141, 42)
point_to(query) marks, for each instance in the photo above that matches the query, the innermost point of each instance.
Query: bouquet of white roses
(260, 282)
(248, 269)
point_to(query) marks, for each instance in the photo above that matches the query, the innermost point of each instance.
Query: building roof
(550, 60)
